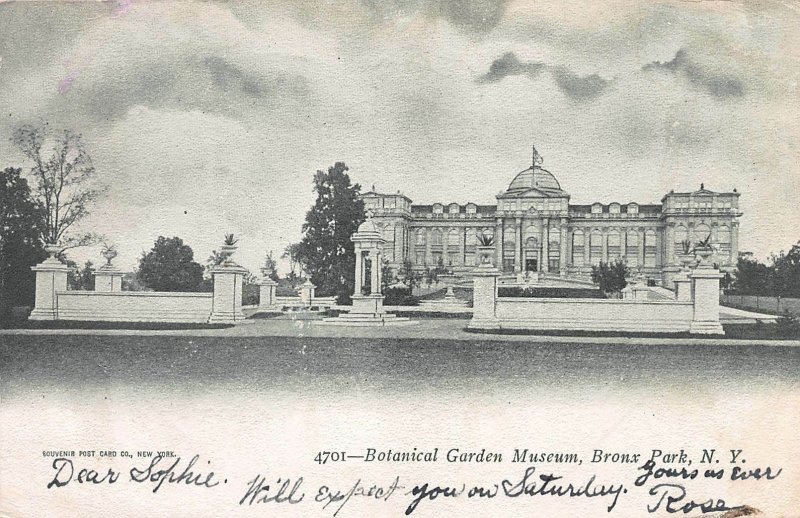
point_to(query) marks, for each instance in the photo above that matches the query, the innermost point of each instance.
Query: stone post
(484, 315)
(226, 307)
(307, 292)
(518, 244)
(266, 294)
(108, 278)
(51, 277)
(705, 287)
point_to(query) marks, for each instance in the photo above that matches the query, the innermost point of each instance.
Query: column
(605, 244)
(359, 269)
(462, 243)
(518, 245)
(641, 247)
(670, 244)
(566, 247)
(266, 294)
(734, 242)
(498, 242)
(587, 245)
(705, 318)
(484, 310)
(51, 277)
(545, 263)
(398, 244)
(659, 251)
(108, 278)
(376, 274)
(428, 257)
(226, 307)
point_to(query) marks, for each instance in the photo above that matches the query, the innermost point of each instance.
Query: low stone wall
(698, 314)
(133, 306)
(759, 303)
(659, 316)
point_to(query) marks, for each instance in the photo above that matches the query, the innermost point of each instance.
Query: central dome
(534, 178)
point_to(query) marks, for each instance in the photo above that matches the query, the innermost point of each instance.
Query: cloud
(579, 88)
(475, 16)
(509, 65)
(574, 86)
(718, 85)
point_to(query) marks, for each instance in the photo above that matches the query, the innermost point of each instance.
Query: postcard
(401, 258)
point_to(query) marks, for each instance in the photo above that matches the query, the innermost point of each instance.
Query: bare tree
(62, 177)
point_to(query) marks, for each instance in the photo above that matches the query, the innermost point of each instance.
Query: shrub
(788, 325)
(399, 297)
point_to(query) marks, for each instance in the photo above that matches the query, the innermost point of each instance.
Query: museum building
(535, 228)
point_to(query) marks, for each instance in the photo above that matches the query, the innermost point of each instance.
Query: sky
(208, 118)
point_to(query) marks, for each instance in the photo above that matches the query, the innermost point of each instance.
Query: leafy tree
(786, 274)
(81, 278)
(610, 277)
(752, 277)
(411, 278)
(270, 267)
(21, 225)
(325, 250)
(62, 177)
(292, 253)
(170, 266)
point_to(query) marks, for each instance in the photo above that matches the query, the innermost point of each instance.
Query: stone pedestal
(267, 294)
(227, 302)
(108, 278)
(705, 319)
(51, 277)
(484, 279)
(307, 291)
(683, 287)
(368, 305)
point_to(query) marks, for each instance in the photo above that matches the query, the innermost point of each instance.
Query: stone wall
(133, 306)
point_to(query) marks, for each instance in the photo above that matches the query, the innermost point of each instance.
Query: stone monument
(367, 309)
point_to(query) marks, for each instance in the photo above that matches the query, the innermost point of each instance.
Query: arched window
(436, 237)
(614, 246)
(681, 235)
(595, 247)
(555, 237)
(453, 208)
(701, 232)
(577, 247)
(632, 248)
(509, 237)
(420, 237)
(452, 237)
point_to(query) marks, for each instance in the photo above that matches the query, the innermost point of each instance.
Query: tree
(270, 267)
(412, 279)
(62, 180)
(21, 225)
(610, 277)
(81, 278)
(786, 274)
(752, 277)
(170, 266)
(325, 250)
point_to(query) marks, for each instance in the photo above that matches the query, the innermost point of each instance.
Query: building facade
(535, 228)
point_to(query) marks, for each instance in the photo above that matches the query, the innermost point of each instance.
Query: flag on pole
(537, 158)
